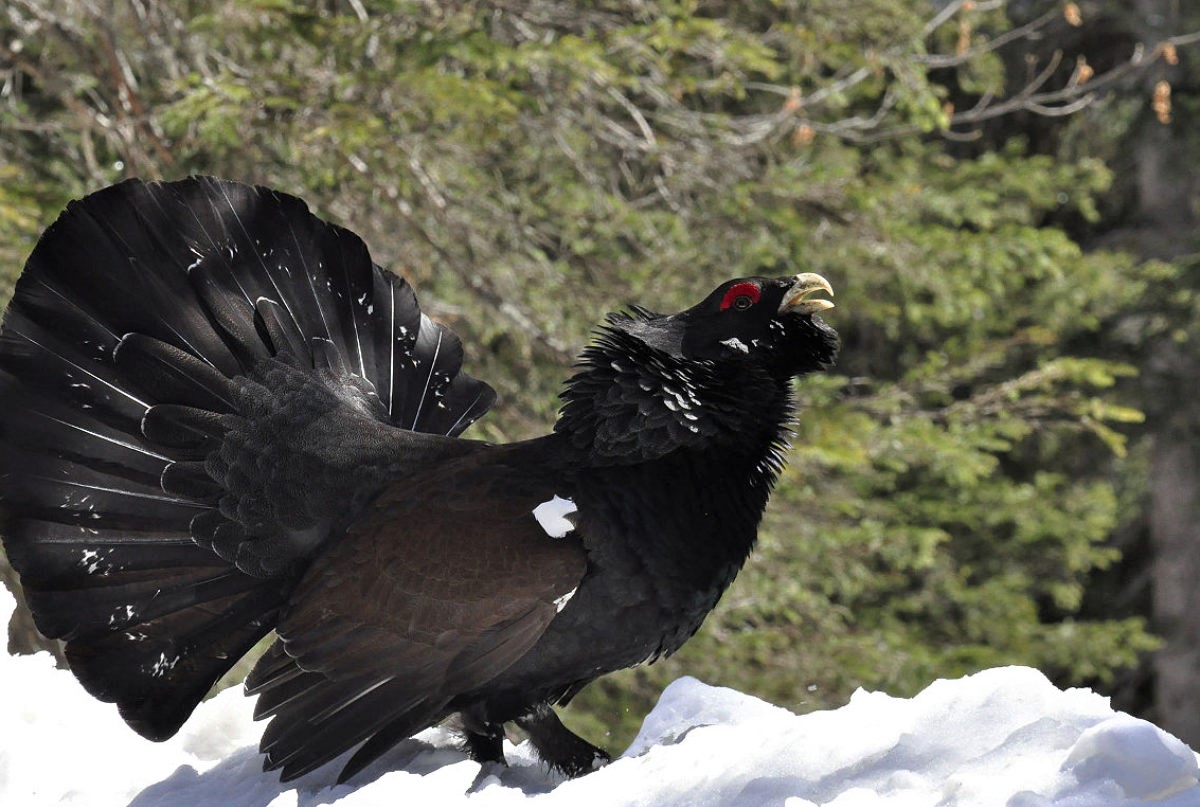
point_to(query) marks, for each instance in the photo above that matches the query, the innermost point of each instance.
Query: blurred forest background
(1002, 470)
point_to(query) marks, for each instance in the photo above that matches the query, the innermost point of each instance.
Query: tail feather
(163, 372)
(55, 560)
(312, 272)
(159, 670)
(55, 489)
(190, 480)
(51, 427)
(225, 300)
(120, 358)
(145, 247)
(181, 427)
(73, 369)
(142, 597)
(273, 323)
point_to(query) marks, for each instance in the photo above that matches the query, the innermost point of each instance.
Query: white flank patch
(552, 515)
(735, 344)
(562, 601)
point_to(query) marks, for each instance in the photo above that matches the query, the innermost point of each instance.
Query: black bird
(220, 418)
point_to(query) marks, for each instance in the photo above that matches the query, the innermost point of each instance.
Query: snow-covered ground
(1001, 737)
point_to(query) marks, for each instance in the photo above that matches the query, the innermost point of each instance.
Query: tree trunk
(1167, 185)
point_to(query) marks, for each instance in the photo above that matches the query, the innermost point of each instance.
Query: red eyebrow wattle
(743, 289)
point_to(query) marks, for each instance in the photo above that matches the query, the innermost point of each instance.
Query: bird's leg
(482, 739)
(558, 746)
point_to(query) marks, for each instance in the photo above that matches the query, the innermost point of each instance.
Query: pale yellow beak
(797, 299)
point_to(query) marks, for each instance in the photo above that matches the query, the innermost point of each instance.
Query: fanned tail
(137, 319)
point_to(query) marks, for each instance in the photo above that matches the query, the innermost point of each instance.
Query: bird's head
(771, 322)
(652, 383)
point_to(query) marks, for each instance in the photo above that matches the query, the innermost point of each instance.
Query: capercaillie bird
(221, 418)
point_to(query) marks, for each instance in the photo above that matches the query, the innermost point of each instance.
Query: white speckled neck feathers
(631, 401)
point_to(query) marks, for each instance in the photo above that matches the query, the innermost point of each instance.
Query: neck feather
(630, 402)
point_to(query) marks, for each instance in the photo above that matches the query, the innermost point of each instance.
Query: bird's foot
(483, 741)
(558, 746)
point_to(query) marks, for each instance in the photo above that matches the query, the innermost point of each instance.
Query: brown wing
(441, 586)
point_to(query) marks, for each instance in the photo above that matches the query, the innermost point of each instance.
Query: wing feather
(422, 602)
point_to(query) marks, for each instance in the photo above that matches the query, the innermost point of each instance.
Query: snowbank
(1001, 737)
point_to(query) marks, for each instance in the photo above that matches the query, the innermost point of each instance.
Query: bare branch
(638, 117)
(993, 44)
(952, 8)
(466, 273)
(1069, 99)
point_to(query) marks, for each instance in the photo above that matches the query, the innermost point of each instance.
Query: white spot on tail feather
(90, 560)
(122, 614)
(164, 665)
(552, 515)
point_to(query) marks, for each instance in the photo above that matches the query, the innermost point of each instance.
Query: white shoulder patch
(552, 515)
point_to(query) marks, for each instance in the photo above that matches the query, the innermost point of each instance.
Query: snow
(1004, 737)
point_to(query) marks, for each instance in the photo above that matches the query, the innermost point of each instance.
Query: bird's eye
(741, 296)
